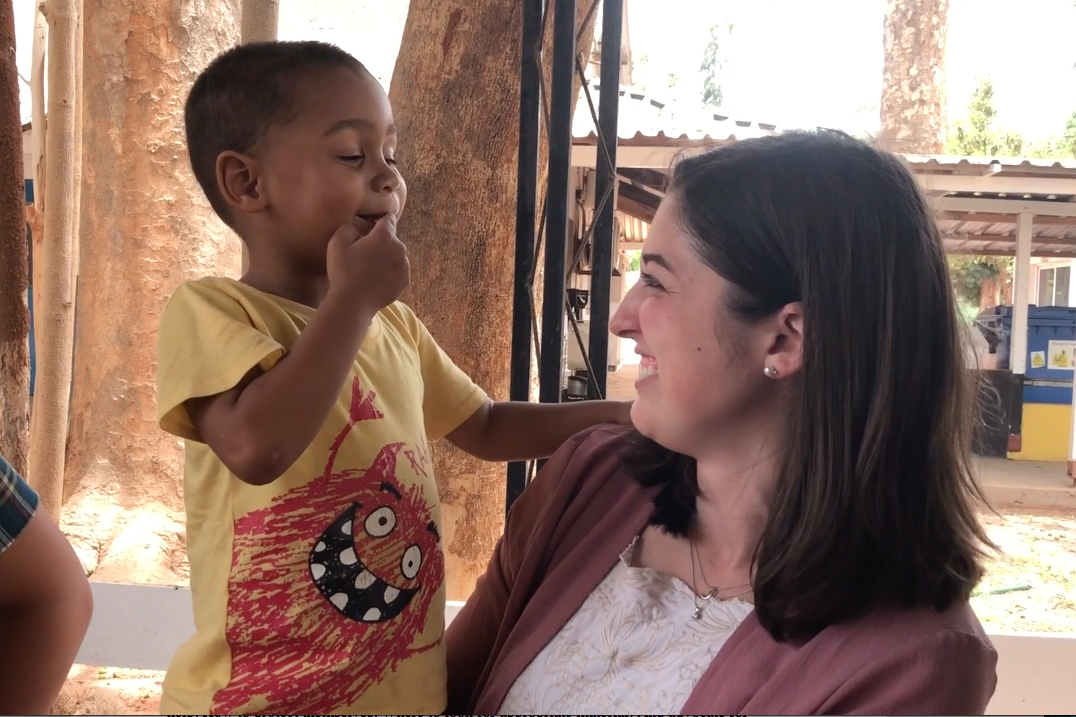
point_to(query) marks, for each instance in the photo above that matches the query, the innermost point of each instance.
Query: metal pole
(562, 85)
(602, 256)
(530, 86)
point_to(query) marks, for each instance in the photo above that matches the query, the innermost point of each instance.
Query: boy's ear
(239, 179)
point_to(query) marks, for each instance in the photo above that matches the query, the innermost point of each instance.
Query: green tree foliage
(639, 70)
(713, 62)
(979, 135)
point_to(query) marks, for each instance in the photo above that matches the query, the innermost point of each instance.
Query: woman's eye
(649, 280)
(391, 160)
(353, 158)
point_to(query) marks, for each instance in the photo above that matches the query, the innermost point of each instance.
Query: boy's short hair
(241, 94)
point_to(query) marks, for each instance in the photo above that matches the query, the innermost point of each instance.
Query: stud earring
(770, 371)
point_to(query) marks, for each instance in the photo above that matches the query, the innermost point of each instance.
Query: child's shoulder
(400, 318)
(208, 286)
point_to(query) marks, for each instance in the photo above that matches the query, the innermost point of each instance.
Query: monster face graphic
(359, 590)
(346, 581)
(332, 585)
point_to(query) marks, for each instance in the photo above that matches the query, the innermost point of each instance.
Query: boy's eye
(356, 158)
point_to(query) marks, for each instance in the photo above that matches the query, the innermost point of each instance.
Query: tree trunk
(1006, 277)
(80, 102)
(462, 60)
(988, 293)
(55, 314)
(37, 110)
(913, 76)
(260, 20)
(148, 227)
(35, 215)
(14, 314)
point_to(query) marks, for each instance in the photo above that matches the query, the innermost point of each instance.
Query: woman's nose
(625, 321)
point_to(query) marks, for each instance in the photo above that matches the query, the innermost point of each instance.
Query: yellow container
(1045, 432)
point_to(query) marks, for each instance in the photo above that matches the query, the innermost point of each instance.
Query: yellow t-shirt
(322, 592)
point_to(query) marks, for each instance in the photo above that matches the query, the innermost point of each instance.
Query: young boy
(306, 394)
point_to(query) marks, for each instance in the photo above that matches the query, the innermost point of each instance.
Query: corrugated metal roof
(646, 119)
(1050, 235)
(977, 165)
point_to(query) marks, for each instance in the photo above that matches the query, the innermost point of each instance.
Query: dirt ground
(1039, 553)
(1039, 556)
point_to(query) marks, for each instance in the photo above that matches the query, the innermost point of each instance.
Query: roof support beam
(1021, 287)
(991, 218)
(1000, 183)
(1040, 241)
(1011, 207)
(966, 251)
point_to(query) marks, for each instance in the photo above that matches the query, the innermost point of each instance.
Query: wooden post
(55, 317)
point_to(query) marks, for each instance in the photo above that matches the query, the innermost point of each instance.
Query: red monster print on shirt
(331, 584)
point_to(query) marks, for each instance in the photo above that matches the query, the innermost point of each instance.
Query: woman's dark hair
(875, 499)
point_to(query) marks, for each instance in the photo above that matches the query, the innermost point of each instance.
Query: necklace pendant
(698, 612)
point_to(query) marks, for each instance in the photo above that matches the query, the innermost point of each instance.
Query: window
(1054, 286)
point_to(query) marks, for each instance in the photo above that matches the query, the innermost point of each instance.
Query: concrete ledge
(1026, 485)
(1034, 674)
(140, 626)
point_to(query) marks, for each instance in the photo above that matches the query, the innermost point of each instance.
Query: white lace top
(632, 648)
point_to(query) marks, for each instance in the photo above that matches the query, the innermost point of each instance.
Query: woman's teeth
(648, 368)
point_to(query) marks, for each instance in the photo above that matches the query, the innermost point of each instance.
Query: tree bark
(14, 267)
(260, 18)
(988, 293)
(55, 315)
(35, 214)
(462, 60)
(913, 110)
(37, 109)
(148, 227)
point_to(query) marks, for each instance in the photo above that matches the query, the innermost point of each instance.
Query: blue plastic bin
(1044, 324)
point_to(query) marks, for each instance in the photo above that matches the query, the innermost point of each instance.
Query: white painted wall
(140, 626)
(1039, 263)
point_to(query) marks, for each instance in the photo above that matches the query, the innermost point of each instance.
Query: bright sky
(819, 62)
(791, 62)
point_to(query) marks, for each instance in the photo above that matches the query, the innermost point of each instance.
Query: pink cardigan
(567, 531)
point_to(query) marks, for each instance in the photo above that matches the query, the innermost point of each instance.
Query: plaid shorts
(18, 501)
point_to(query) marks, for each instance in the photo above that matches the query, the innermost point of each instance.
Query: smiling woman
(790, 528)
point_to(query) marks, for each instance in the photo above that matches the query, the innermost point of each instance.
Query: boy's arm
(518, 430)
(260, 428)
(45, 605)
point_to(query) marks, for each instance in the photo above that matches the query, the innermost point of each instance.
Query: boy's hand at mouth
(371, 267)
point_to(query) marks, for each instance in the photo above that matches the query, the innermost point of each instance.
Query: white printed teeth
(364, 580)
(647, 371)
(391, 594)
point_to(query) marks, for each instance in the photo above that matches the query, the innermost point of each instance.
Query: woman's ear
(785, 356)
(239, 180)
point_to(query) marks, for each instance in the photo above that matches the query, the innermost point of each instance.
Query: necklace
(701, 600)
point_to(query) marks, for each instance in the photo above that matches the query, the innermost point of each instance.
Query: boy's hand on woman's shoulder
(373, 269)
